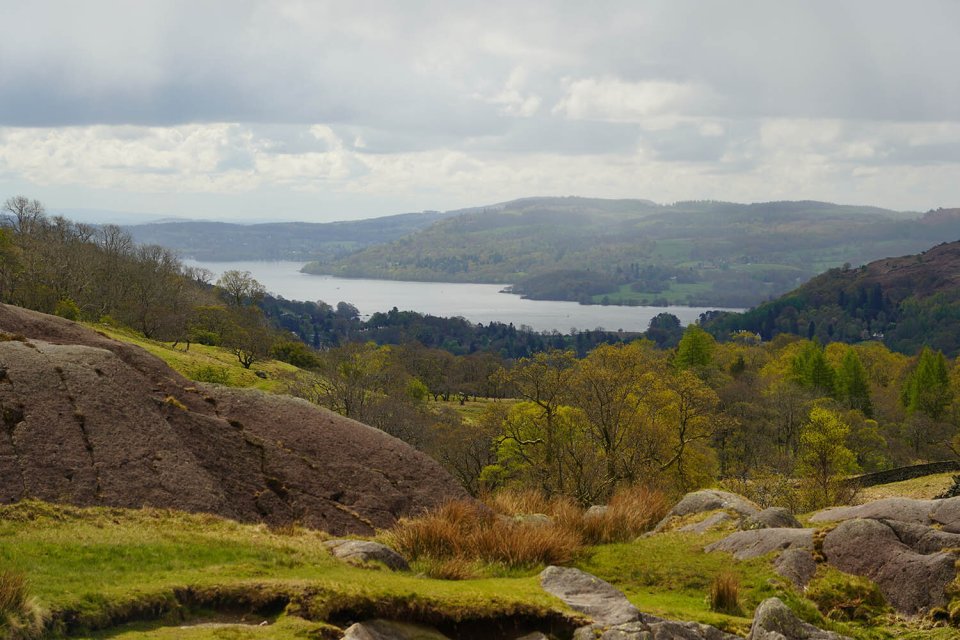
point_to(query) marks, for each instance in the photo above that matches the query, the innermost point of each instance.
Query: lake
(476, 302)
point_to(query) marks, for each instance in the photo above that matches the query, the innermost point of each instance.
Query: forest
(574, 416)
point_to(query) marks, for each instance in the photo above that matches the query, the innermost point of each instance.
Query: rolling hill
(907, 302)
(639, 252)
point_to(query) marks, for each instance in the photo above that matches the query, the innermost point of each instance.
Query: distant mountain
(907, 302)
(223, 241)
(700, 253)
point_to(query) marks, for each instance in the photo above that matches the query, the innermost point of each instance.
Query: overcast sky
(286, 110)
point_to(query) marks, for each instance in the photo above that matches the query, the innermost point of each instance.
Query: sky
(293, 110)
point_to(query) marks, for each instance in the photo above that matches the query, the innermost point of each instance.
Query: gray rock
(390, 630)
(904, 509)
(773, 518)
(596, 511)
(588, 594)
(774, 620)
(363, 551)
(712, 499)
(758, 542)
(653, 628)
(536, 635)
(947, 514)
(923, 539)
(796, 565)
(707, 523)
(912, 582)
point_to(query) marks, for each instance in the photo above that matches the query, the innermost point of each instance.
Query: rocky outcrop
(944, 513)
(615, 618)
(774, 620)
(796, 565)
(708, 500)
(774, 518)
(588, 594)
(361, 552)
(757, 542)
(712, 521)
(87, 420)
(912, 582)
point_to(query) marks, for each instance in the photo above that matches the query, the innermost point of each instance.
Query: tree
(927, 387)
(24, 214)
(695, 350)
(240, 288)
(852, 385)
(824, 456)
(811, 370)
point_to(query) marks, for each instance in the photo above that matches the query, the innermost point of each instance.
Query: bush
(210, 373)
(68, 309)
(20, 616)
(725, 594)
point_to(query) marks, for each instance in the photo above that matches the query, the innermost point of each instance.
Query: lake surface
(476, 302)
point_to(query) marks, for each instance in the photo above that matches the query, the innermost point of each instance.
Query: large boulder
(708, 500)
(713, 521)
(88, 420)
(361, 552)
(912, 582)
(943, 513)
(757, 542)
(774, 620)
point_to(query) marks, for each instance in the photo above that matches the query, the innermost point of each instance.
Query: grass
(206, 363)
(725, 594)
(99, 567)
(925, 487)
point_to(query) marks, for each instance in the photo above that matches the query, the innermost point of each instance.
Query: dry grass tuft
(632, 510)
(469, 531)
(449, 569)
(725, 594)
(20, 615)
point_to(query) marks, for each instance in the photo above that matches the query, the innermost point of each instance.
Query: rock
(923, 539)
(796, 565)
(588, 594)
(758, 542)
(947, 514)
(774, 620)
(533, 519)
(596, 511)
(712, 499)
(672, 630)
(536, 635)
(363, 551)
(710, 522)
(93, 421)
(390, 630)
(773, 518)
(904, 509)
(912, 582)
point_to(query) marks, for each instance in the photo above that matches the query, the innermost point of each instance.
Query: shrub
(68, 309)
(20, 616)
(210, 373)
(725, 594)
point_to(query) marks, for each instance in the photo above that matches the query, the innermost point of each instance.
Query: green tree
(852, 385)
(927, 387)
(824, 455)
(811, 370)
(696, 348)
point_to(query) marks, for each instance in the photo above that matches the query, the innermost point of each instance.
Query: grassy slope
(189, 362)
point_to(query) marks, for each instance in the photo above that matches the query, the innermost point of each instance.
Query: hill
(907, 302)
(222, 241)
(638, 252)
(95, 422)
